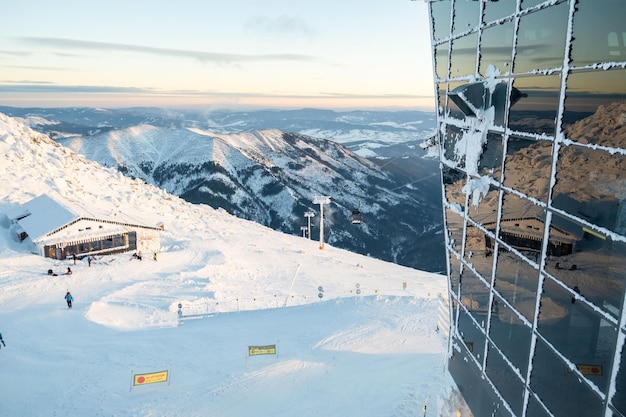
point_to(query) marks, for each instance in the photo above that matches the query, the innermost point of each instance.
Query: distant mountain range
(268, 167)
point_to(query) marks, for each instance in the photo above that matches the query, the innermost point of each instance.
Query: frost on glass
(591, 184)
(527, 167)
(619, 398)
(440, 13)
(451, 136)
(477, 252)
(463, 56)
(589, 263)
(454, 226)
(541, 39)
(535, 409)
(511, 334)
(466, 16)
(537, 111)
(495, 47)
(490, 162)
(508, 383)
(549, 372)
(455, 273)
(441, 60)
(595, 108)
(578, 332)
(516, 281)
(599, 32)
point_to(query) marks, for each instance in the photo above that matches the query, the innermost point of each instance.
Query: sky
(375, 343)
(370, 54)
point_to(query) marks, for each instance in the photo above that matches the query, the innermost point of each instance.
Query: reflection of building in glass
(531, 98)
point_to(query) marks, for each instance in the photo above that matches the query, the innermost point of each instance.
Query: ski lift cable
(413, 182)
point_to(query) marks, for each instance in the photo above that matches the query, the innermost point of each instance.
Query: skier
(2, 341)
(69, 298)
(154, 256)
(69, 271)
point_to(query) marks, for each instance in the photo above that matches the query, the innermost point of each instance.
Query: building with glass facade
(531, 135)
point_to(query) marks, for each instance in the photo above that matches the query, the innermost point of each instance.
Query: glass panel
(535, 409)
(497, 10)
(440, 12)
(590, 184)
(441, 98)
(527, 167)
(505, 380)
(589, 263)
(491, 157)
(478, 251)
(530, 3)
(495, 47)
(522, 225)
(472, 336)
(598, 29)
(516, 281)
(454, 225)
(453, 182)
(455, 272)
(549, 372)
(510, 334)
(466, 15)
(541, 39)
(441, 60)
(452, 108)
(536, 111)
(619, 399)
(594, 107)
(463, 56)
(475, 296)
(578, 332)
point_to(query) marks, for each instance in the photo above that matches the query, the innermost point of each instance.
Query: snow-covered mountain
(272, 176)
(355, 336)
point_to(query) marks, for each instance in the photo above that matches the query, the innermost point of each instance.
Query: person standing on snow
(2, 341)
(69, 298)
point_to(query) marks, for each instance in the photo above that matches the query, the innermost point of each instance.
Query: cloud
(280, 27)
(216, 57)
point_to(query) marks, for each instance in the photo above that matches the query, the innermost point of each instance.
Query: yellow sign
(151, 378)
(590, 369)
(262, 350)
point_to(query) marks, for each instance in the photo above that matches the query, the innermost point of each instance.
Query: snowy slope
(377, 353)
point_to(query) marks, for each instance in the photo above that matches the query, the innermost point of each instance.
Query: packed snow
(353, 336)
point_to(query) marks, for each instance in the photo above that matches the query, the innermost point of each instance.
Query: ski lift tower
(321, 201)
(308, 216)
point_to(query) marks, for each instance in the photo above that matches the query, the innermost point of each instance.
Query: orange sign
(151, 378)
(590, 369)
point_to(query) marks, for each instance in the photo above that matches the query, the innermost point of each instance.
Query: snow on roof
(47, 215)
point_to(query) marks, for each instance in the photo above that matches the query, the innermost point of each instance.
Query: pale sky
(344, 54)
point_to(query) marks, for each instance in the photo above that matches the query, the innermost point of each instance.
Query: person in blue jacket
(69, 298)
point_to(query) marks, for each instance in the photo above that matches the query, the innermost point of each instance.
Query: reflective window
(516, 281)
(441, 98)
(536, 111)
(491, 157)
(463, 56)
(577, 332)
(549, 372)
(589, 263)
(478, 252)
(599, 32)
(510, 334)
(453, 182)
(452, 109)
(541, 39)
(530, 3)
(595, 104)
(527, 167)
(589, 184)
(440, 12)
(441, 60)
(496, 45)
(454, 225)
(475, 296)
(472, 336)
(505, 380)
(522, 225)
(455, 272)
(466, 16)
(535, 409)
(495, 10)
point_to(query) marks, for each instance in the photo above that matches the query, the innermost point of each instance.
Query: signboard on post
(262, 350)
(150, 378)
